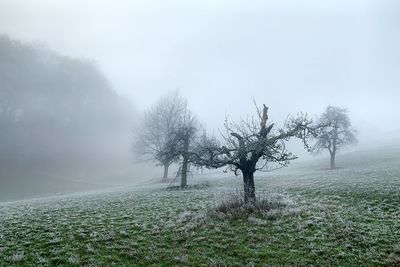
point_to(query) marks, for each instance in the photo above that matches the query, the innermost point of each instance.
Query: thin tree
(252, 145)
(157, 133)
(181, 146)
(336, 132)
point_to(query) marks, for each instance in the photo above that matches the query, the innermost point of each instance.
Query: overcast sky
(291, 55)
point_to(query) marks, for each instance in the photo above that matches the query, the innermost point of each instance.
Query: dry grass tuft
(267, 203)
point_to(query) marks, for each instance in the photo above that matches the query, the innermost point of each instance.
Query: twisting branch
(247, 146)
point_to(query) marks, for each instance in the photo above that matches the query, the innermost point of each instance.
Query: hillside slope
(344, 217)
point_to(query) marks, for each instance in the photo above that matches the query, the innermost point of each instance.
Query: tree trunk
(165, 176)
(333, 164)
(184, 172)
(333, 152)
(185, 164)
(249, 189)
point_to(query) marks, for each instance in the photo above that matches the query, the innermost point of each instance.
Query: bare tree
(181, 146)
(335, 133)
(252, 145)
(157, 135)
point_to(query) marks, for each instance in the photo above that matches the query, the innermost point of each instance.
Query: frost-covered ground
(344, 217)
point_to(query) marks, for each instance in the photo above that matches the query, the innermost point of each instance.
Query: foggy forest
(199, 133)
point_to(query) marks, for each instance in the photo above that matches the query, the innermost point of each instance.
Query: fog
(291, 55)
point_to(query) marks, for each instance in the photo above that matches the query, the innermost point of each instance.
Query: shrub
(267, 204)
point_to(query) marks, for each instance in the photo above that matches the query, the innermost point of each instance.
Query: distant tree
(252, 145)
(183, 143)
(157, 136)
(336, 132)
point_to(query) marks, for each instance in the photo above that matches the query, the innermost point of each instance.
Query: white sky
(291, 55)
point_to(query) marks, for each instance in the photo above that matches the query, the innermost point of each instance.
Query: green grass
(344, 217)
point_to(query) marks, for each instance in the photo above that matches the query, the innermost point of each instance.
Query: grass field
(344, 217)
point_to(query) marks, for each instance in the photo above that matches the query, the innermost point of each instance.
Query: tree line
(170, 133)
(54, 110)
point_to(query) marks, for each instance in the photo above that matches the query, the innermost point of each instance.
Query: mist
(199, 133)
(293, 56)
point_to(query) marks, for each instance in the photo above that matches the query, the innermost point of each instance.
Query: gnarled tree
(336, 132)
(252, 145)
